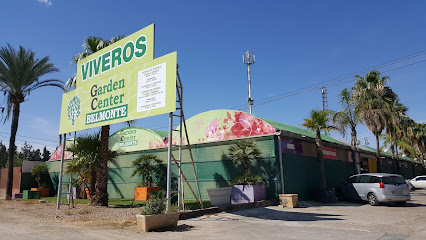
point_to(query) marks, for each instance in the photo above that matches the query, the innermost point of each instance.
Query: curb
(227, 208)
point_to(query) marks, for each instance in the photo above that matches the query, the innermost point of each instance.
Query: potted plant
(37, 171)
(246, 186)
(153, 215)
(147, 166)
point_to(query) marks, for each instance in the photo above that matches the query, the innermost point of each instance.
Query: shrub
(154, 205)
(247, 179)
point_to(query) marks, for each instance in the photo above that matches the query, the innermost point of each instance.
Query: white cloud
(48, 3)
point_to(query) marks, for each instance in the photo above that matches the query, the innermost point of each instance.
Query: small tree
(146, 166)
(244, 152)
(317, 122)
(86, 164)
(38, 170)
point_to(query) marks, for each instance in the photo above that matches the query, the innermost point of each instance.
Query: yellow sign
(144, 90)
(118, 57)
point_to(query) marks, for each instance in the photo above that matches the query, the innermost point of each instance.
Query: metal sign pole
(280, 155)
(58, 203)
(169, 163)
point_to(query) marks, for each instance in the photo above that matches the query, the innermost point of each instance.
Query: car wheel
(339, 195)
(372, 199)
(400, 204)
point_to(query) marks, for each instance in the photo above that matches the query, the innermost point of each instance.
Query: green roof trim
(162, 134)
(300, 131)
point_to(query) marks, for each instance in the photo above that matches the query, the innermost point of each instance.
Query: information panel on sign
(152, 88)
(144, 90)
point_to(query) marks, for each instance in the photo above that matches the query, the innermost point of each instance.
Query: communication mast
(248, 59)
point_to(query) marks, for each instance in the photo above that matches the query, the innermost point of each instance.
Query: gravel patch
(81, 214)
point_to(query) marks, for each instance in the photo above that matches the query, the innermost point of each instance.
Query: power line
(29, 137)
(330, 84)
(22, 142)
(344, 77)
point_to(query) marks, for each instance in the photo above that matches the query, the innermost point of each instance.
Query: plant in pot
(154, 216)
(147, 166)
(246, 187)
(37, 171)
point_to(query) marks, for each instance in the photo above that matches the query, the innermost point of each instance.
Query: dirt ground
(343, 220)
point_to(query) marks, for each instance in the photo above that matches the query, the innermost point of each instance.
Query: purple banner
(291, 146)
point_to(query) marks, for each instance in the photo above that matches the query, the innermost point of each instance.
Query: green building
(212, 133)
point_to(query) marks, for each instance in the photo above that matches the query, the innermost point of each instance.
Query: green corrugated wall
(301, 174)
(214, 169)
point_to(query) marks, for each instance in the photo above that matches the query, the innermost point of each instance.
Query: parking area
(342, 220)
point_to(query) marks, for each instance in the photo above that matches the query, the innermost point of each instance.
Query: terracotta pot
(142, 193)
(44, 192)
(147, 223)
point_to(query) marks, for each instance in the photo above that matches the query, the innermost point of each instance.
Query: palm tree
(70, 83)
(19, 76)
(91, 45)
(38, 171)
(87, 164)
(373, 104)
(347, 118)
(244, 153)
(317, 122)
(396, 128)
(146, 166)
(86, 149)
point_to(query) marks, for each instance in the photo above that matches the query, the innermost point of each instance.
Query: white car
(419, 182)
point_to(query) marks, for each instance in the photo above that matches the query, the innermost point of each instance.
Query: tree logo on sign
(73, 109)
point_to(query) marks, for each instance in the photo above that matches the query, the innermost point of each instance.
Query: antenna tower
(248, 59)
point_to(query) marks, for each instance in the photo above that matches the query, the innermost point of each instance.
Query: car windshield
(393, 180)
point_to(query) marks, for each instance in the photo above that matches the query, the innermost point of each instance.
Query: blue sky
(298, 44)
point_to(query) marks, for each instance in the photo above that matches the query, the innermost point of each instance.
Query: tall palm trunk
(14, 129)
(101, 194)
(377, 152)
(320, 156)
(353, 146)
(394, 162)
(92, 189)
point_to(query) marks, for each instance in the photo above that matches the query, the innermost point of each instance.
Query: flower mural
(219, 125)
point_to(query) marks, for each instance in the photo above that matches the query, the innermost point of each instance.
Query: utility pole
(324, 101)
(248, 59)
(324, 98)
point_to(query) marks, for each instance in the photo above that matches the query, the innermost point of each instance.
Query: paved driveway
(343, 220)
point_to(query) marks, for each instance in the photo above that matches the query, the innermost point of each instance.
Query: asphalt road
(343, 220)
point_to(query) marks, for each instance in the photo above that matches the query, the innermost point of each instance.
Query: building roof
(300, 131)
